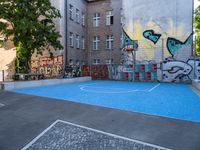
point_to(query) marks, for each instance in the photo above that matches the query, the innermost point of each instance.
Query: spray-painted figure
(178, 68)
(127, 51)
(179, 50)
(152, 36)
(175, 71)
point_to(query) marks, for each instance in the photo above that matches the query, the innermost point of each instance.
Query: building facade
(93, 31)
(104, 31)
(92, 34)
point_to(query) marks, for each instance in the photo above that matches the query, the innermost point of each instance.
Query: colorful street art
(180, 50)
(152, 36)
(172, 54)
(178, 68)
(72, 71)
(97, 72)
(49, 67)
(128, 47)
(176, 71)
(141, 72)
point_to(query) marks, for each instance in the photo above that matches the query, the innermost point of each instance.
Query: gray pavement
(24, 117)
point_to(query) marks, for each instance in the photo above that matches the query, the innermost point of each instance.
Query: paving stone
(64, 136)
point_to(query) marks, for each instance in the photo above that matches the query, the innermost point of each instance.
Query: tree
(197, 29)
(30, 25)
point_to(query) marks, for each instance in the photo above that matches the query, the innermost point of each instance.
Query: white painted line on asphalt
(91, 129)
(41, 134)
(154, 87)
(2, 104)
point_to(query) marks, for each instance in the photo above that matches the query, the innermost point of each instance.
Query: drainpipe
(66, 36)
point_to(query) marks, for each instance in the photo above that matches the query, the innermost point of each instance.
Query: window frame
(96, 42)
(109, 42)
(71, 39)
(77, 41)
(96, 19)
(96, 61)
(77, 16)
(71, 15)
(109, 18)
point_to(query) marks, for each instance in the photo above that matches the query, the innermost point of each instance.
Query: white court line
(2, 104)
(96, 91)
(88, 84)
(154, 87)
(100, 87)
(40, 135)
(91, 129)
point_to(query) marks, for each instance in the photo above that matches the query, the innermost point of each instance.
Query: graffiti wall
(139, 72)
(50, 67)
(97, 72)
(164, 33)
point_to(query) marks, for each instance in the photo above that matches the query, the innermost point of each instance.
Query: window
(71, 12)
(77, 62)
(109, 42)
(77, 41)
(83, 43)
(122, 16)
(96, 61)
(109, 61)
(96, 20)
(71, 39)
(77, 16)
(109, 18)
(122, 40)
(82, 62)
(83, 19)
(96, 42)
(71, 62)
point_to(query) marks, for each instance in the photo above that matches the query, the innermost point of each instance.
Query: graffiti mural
(142, 72)
(97, 72)
(72, 71)
(139, 72)
(152, 36)
(176, 71)
(173, 53)
(179, 67)
(180, 50)
(49, 67)
(127, 49)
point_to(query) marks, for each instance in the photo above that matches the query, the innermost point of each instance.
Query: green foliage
(30, 23)
(197, 29)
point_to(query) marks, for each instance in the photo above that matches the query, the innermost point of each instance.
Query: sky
(196, 3)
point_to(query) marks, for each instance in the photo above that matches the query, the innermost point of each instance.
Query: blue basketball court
(177, 101)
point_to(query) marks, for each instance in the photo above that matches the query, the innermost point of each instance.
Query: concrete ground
(24, 117)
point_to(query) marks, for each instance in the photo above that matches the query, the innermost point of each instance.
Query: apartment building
(93, 31)
(76, 27)
(91, 34)
(104, 31)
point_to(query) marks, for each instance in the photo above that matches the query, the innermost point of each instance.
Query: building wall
(52, 67)
(7, 58)
(73, 53)
(164, 33)
(101, 7)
